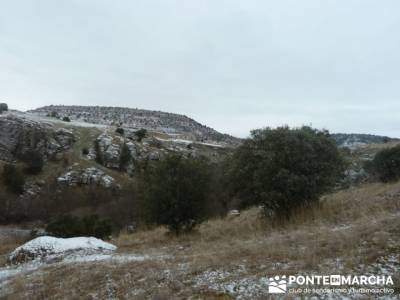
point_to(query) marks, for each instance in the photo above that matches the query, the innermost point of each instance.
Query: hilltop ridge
(352, 140)
(173, 124)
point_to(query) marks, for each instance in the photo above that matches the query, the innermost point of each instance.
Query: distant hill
(354, 139)
(170, 123)
(179, 126)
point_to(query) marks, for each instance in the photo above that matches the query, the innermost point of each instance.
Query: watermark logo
(335, 280)
(330, 283)
(277, 285)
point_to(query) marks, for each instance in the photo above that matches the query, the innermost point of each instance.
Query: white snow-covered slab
(47, 245)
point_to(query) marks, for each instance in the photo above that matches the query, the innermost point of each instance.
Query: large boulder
(64, 137)
(111, 156)
(45, 246)
(110, 150)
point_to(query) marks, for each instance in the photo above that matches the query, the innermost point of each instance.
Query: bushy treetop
(174, 192)
(284, 169)
(386, 164)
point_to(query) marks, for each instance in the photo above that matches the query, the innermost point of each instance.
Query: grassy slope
(355, 231)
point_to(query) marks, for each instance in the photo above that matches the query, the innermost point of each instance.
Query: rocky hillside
(83, 154)
(352, 140)
(179, 125)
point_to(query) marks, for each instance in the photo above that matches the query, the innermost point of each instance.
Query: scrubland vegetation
(282, 170)
(295, 214)
(352, 231)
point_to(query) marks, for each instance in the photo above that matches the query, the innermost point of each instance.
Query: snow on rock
(47, 245)
(169, 123)
(64, 137)
(88, 176)
(20, 134)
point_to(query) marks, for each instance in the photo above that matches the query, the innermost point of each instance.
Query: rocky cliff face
(169, 123)
(110, 147)
(19, 135)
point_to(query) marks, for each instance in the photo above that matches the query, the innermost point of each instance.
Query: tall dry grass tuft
(8, 244)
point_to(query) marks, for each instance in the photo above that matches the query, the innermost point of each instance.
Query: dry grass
(8, 244)
(352, 227)
(360, 205)
(350, 233)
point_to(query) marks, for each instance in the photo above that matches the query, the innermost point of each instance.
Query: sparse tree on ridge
(140, 134)
(3, 107)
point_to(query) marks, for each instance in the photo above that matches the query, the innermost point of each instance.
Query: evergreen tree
(13, 178)
(124, 156)
(174, 192)
(386, 164)
(140, 134)
(284, 169)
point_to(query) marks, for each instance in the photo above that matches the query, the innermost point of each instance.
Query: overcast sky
(232, 65)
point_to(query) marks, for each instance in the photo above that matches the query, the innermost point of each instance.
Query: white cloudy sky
(233, 65)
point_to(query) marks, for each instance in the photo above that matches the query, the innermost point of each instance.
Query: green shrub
(71, 226)
(85, 151)
(386, 164)
(34, 161)
(54, 114)
(102, 228)
(94, 226)
(284, 169)
(140, 134)
(173, 192)
(65, 226)
(120, 130)
(13, 178)
(66, 119)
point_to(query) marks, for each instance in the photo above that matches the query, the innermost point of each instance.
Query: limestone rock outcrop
(88, 176)
(19, 135)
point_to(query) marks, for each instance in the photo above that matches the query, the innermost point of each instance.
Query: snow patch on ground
(76, 123)
(114, 258)
(50, 251)
(241, 285)
(8, 272)
(66, 258)
(341, 227)
(187, 142)
(232, 283)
